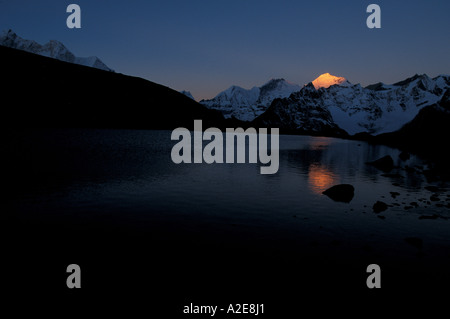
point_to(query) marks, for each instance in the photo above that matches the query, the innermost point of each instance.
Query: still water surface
(127, 177)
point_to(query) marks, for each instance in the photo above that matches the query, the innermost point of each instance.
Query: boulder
(341, 193)
(379, 207)
(404, 156)
(434, 198)
(433, 189)
(386, 163)
(394, 194)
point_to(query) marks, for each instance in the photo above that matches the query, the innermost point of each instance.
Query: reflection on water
(319, 143)
(320, 178)
(129, 176)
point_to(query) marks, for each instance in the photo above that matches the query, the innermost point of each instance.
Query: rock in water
(394, 194)
(404, 156)
(386, 164)
(341, 193)
(379, 207)
(433, 189)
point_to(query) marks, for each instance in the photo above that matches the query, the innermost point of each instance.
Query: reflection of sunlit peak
(319, 142)
(326, 80)
(320, 178)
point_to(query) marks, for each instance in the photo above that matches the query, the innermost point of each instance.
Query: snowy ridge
(299, 112)
(245, 104)
(376, 109)
(188, 94)
(53, 49)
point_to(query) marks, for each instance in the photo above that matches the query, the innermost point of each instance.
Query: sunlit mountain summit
(326, 80)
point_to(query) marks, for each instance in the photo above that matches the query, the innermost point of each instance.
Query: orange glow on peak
(326, 80)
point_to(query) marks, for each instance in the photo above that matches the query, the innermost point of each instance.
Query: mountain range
(246, 105)
(52, 49)
(333, 104)
(42, 90)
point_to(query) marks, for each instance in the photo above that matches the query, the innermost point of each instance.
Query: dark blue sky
(206, 46)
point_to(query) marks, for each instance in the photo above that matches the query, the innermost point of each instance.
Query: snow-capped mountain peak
(247, 104)
(276, 88)
(52, 49)
(188, 94)
(326, 80)
(375, 109)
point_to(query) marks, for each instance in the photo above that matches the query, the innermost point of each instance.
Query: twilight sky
(207, 46)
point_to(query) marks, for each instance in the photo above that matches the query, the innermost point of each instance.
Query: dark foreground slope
(427, 134)
(44, 92)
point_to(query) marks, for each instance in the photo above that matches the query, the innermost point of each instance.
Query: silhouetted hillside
(44, 92)
(427, 135)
